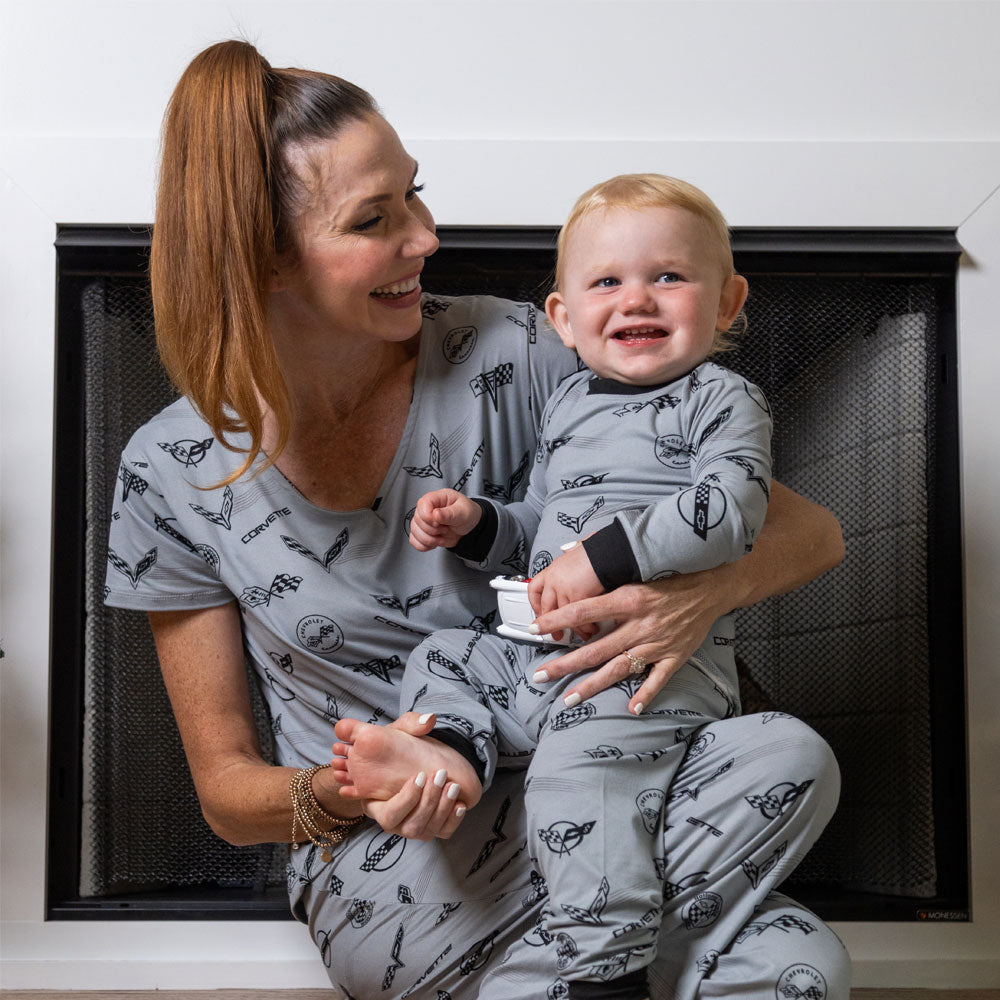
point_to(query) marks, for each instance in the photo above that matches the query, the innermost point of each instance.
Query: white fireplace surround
(808, 113)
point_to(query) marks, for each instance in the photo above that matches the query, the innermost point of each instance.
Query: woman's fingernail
(459, 812)
(440, 778)
(638, 708)
(540, 676)
(572, 700)
(533, 629)
(423, 718)
(568, 546)
(453, 791)
(421, 779)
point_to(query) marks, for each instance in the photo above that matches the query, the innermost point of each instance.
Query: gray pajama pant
(660, 843)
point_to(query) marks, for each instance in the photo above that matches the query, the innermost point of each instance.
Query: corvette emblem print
(478, 955)
(498, 837)
(507, 493)
(756, 872)
(221, 517)
(430, 968)
(383, 852)
(777, 799)
(703, 507)
(187, 452)
(436, 657)
(577, 523)
(206, 552)
(459, 344)
(786, 923)
(658, 403)
(673, 889)
(378, 667)
(397, 963)
(254, 597)
(566, 950)
(328, 558)
(702, 911)
(541, 560)
(142, 567)
(570, 717)
(430, 306)
(591, 915)
(360, 912)
(411, 602)
(489, 383)
(131, 483)
(319, 634)
(563, 836)
(757, 395)
(751, 470)
(433, 467)
(584, 480)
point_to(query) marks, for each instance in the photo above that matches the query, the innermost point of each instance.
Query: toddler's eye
(668, 277)
(605, 282)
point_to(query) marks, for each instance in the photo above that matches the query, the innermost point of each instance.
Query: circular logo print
(702, 911)
(671, 450)
(800, 982)
(459, 344)
(700, 744)
(650, 805)
(319, 634)
(360, 912)
(541, 560)
(703, 507)
(383, 851)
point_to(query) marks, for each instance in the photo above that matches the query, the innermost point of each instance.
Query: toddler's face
(643, 293)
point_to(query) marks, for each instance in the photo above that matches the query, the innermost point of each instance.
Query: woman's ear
(734, 295)
(555, 309)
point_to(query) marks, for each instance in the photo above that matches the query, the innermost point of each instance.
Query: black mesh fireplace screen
(852, 339)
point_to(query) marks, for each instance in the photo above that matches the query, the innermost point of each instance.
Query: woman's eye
(368, 224)
(669, 277)
(414, 191)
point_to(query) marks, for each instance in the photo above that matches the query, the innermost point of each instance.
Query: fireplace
(852, 337)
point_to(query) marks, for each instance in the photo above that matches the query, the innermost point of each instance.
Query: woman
(267, 517)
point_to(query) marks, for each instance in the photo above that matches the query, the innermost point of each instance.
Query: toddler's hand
(566, 579)
(441, 518)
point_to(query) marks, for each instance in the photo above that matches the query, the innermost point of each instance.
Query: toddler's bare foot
(381, 759)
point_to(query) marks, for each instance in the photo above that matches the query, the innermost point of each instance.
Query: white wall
(788, 113)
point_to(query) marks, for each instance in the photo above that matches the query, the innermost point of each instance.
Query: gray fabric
(683, 468)
(332, 603)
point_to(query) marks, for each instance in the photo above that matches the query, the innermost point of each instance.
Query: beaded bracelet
(306, 812)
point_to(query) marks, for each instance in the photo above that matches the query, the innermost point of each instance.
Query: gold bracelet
(306, 812)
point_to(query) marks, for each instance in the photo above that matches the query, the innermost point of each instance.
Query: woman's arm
(244, 799)
(666, 621)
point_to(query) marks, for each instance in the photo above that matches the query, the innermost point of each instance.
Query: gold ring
(636, 664)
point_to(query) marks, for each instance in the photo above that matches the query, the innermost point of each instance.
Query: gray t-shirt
(333, 602)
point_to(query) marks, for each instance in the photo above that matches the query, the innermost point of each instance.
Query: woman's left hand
(662, 622)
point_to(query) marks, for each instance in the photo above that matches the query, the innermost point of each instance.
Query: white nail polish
(568, 546)
(539, 677)
(459, 812)
(423, 718)
(572, 700)
(420, 780)
(453, 791)
(638, 708)
(440, 778)
(533, 629)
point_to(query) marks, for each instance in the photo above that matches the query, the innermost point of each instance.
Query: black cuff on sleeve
(476, 545)
(455, 740)
(610, 554)
(631, 986)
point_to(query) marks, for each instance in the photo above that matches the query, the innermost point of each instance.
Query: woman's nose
(421, 241)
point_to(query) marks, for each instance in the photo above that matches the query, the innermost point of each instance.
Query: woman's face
(362, 238)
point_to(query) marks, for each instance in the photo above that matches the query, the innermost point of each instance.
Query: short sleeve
(152, 565)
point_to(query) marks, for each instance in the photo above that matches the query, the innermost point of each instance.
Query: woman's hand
(423, 808)
(662, 622)
(666, 621)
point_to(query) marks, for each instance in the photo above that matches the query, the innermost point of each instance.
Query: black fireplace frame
(86, 251)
